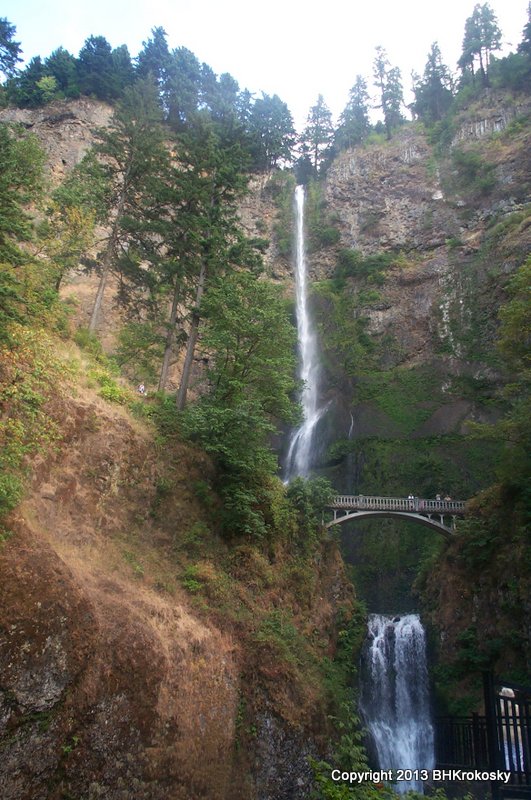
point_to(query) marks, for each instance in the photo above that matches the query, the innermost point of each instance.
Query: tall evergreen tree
(433, 93)
(318, 134)
(354, 122)
(62, 66)
(9, 49)
(22, 89)
(182, 86)
(217, 172)
(271, 131)
(96, 69)
(120, 180)
(481, 38)
(154, 58)
(389, 83)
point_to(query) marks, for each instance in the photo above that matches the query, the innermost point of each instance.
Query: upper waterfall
(298, 460)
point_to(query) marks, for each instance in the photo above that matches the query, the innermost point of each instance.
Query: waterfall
(298, 460)
(395, 695)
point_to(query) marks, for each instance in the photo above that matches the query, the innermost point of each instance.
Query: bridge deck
(416, 505)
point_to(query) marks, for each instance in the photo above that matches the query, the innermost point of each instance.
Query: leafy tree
(318, 134)
(62, 66)
(47, 87)
(9, 49)
(250, 343)
(271, 132)
(389, 82)
(433, 94)
(481, 38)
(354, 122)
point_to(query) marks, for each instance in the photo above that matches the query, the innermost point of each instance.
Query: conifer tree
(481, 38)
(318, 134)
(354, 122)
(271, 132)
(433, 93)
(119, 177)
(9, 49)
(62, 66)
(389, 82)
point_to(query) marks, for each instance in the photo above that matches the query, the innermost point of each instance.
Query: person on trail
(141, 389)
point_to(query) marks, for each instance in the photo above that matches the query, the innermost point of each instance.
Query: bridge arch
(433, 514)
(428, 522)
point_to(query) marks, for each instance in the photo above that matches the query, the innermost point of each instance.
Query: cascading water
(395, 696)
(298, 460)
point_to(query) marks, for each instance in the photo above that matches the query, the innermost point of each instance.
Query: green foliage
(388, 80)
(342, 328)
(281, 186)
(9, 49)
(475, 175)
(353, 264)
(318, 134)
(250, 341)
(139, 351)
(309, 496)
(354, 124)
(29, 375)
(21, 180)
(433, 94)
(271, 131)
(320, 225)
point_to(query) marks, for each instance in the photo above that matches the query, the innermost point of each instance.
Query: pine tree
(318, 134)
(481, 38)
(354, 122)
(96, 68)
(433, 93)
(119, 177)
(62, 66)
(389, 83)
(271, 131)
(216, 173)
(9, 49)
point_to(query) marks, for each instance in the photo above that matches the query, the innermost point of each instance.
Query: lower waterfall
(395, 696)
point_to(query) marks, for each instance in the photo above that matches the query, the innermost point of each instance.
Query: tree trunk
(109, 252)
(192, 340)
(169, 339)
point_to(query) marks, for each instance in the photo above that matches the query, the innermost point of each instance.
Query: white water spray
(298, 460)
(395, 695)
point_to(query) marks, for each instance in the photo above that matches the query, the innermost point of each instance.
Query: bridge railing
(416, 504)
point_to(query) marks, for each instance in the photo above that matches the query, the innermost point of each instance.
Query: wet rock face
(282, 768)
(390, 196)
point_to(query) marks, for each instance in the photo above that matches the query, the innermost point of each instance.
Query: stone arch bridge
(438, 515)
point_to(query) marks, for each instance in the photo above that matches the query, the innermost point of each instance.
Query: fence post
(489, 696)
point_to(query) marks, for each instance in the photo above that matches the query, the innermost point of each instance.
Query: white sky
(291, 48)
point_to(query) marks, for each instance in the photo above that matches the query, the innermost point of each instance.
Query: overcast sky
(292, 48)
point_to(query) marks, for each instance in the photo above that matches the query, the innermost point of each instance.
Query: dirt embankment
(115, 682)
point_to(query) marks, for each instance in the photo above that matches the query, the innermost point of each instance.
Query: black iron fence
(499, 740)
